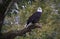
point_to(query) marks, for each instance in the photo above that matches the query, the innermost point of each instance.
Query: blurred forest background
(50, 18)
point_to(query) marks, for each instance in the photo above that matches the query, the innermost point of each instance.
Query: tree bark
(4, 7)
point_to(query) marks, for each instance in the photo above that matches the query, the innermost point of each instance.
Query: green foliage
(49, 20)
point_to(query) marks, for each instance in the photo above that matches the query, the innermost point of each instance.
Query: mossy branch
(13, 34)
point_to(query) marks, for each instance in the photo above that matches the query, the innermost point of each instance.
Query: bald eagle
(35, 17)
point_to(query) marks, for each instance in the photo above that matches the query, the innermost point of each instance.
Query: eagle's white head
(39, 9)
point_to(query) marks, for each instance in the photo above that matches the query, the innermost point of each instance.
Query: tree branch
(13, 34)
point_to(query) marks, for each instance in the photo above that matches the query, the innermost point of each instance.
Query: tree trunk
(3, 7)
